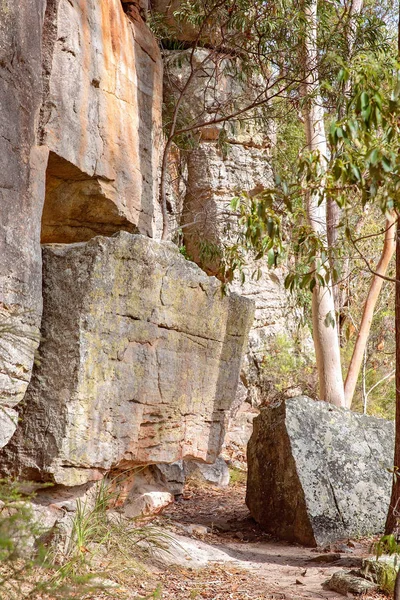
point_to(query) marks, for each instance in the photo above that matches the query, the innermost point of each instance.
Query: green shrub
(286, 367)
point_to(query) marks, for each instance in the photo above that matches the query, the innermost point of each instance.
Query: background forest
(321, 81)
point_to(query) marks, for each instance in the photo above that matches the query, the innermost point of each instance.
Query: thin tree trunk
(364, 383)
(369, 307)
(332, 209)
(392, 518)
(325, 335)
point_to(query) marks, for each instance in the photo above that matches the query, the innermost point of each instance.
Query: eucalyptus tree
(287, 53)
(359, 169)
(326, 339)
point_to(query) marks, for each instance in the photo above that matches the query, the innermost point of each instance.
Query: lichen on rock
(318, 473)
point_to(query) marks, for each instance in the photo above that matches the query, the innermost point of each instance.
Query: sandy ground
(234, 560)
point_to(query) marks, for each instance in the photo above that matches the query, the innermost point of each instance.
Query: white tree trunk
(326, 341)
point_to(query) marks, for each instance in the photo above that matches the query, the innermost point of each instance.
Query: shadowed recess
(77, 206)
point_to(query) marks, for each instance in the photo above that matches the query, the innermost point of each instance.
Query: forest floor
(223, 555)
(216, 552)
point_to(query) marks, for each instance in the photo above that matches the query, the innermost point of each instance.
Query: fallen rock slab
(139, 363)
(318, 473)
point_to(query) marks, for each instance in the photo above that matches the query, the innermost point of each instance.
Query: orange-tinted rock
(103, 115)
(83, 80)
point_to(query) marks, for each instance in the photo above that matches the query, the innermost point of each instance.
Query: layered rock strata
(318, 473)
(224, 159)
(22, 169)
(139, 362)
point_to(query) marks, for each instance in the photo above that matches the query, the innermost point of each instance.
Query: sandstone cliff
(140, 353)
(81, 87)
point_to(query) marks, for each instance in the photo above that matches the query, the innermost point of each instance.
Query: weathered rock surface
(318, 473)
(381, 571)
(226, 159)
(101, 119)
(22, 167)
(240, 428)
(173, 475)
(139, 363)
(140, 492)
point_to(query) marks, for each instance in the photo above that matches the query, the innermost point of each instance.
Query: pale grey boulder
(139, 363)
(318, 473)
(173, 476)
(216, 474)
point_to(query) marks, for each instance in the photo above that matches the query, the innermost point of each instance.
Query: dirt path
(223, 555)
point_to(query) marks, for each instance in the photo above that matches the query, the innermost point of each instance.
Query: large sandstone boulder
(319, 473)
(139, 362)
(22, 168)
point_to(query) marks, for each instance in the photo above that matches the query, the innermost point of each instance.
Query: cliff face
(101, 119)
(224, 159)
(81, 87)
(140, 351)
(22, 173)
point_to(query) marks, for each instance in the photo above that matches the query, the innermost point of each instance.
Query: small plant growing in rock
(104, 542)
(386, 573)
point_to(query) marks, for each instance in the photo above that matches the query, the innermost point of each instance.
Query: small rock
(326, 558)
(148, 503)
(345, 582)
(217, 473)
(195, 529)
(382, 571)
(344, 548)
